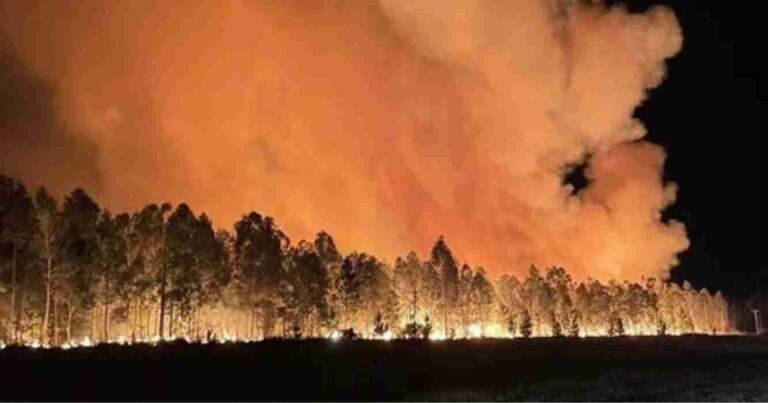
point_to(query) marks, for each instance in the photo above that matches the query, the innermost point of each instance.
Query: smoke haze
(386, 123)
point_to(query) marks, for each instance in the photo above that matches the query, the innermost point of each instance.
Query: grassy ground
(631, 368)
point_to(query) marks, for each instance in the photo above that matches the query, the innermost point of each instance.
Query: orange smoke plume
(384, 123)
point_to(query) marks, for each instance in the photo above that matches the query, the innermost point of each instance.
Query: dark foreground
(631, 368)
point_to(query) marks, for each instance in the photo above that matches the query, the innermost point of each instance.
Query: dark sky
(710, 116)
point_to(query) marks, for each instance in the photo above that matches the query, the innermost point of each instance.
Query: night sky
(710, 117)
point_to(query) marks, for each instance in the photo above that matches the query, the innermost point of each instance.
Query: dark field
(630, 368)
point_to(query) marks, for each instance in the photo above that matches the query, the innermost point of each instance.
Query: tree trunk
(23, 298)
(196, 323)
(44, 325)
(93, 323)
(150, 322)
(161, 324)
(70, 314)
(170, 321)
(132, 321)
(14, 323)
(445, 309)
(55, 320)
(106, 308)
(251, 325)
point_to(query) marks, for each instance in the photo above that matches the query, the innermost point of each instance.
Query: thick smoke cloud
(33, 141)
(385, 123)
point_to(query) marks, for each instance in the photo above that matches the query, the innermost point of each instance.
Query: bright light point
(334, 335)
(387, 336)
(436, 337)
(475, 332)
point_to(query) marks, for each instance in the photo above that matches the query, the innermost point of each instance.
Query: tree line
(73, 269)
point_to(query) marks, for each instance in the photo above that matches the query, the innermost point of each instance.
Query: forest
(71, 271)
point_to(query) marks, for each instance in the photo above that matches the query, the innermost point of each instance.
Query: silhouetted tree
(80, 218)
(258, 260)
(49, 247)
(444, 263)
(426, 330)
(109, 260)
(482, 299)
(526, 326)
(408, 280)
(306, 287)
(17, 233)
(331, 259)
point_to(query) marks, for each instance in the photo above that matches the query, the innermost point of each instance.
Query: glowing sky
(386, 123)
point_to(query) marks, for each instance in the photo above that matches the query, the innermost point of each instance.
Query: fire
(475, 331)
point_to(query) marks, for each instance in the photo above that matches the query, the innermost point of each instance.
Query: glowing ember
(86, 342)
(474, 331)
(436, 337)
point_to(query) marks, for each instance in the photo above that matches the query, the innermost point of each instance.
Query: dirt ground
(689, 368)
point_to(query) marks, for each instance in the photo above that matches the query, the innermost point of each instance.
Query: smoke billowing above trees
(386, 123)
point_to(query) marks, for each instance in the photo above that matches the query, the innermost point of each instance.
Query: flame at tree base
(337, 336)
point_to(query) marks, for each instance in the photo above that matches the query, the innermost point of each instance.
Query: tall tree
(350, 283)
(183, 248)
(560, 287)
(306, 284)
(258, 259)
(538, 297)
(331, 261)
(408, 283)
(509, 291)
(147, 257)
(80, 217)
(443, 261)
(17, 231)
(482, 297)
(110, 260)
(464, 304)
(213, 266)
(366, 291)
(48, 242)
